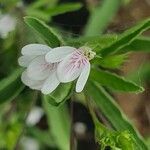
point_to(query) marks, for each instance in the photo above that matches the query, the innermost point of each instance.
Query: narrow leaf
(44, 31)
(114, 81)
(47, 13)
(59, 127)
(99, 43)
(139, 44)
(11, 86)
(126, 38)
(38, 3)
(112, 111)
(95, 42)
(63, 8)
(38, 13)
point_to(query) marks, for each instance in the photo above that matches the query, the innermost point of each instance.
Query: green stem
(101, 17)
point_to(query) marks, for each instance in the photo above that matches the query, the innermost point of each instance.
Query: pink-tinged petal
(39, 69)
(70, 68)
(83, 78)
(31, 83)
(50, 84)
(24, 61)
(35, 49)
(58, 54)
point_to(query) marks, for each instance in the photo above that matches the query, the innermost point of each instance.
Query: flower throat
(87, 52)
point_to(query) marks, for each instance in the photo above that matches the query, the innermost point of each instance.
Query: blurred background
(14, 34)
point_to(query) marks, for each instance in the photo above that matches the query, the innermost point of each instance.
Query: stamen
(77, 61)
(87, 52)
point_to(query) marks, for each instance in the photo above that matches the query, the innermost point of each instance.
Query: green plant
(111, 52)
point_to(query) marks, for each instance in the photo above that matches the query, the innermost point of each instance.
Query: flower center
(87, 52)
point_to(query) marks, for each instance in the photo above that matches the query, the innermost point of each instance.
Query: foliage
(112, 51)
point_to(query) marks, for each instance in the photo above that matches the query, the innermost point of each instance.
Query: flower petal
(7, 24)
(36, 87)
(39, 69)
(70, 68)
(83, 78)
(57, 54)
(31, 83)
(50, 84)
(35, 49)
(24, 61)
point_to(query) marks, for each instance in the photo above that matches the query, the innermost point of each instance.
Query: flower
(7, 24)
(34, 116)
(47, 67)
(39, 74)
(74, 63)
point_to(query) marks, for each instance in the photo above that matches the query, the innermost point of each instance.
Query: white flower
(28, 143)
(39, 75)
(34, 116)
(47, 67)
(7, 24)
(74, 64)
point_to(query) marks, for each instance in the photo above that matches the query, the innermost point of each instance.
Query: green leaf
(99, 43)
(139, 44)
(47, 13)
(110, 62)
(11, 86)
(38, 3)
(38, 13)
(101, 16)
(95, 42)
(126, 38)
(63, 8)
(60, 95)
(114, 81)
(59, 127)
(44, 31)
(112, 111)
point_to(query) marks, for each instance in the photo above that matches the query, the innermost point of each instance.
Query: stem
(101, 16)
